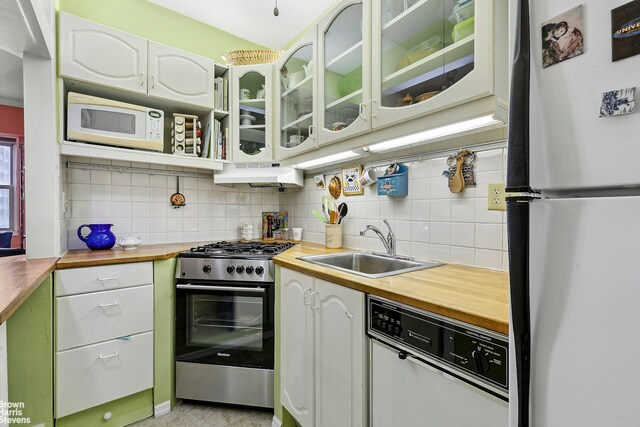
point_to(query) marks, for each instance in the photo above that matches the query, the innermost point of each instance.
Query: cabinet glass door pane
(252, 113)
(296, 97)
(427, 47)
(343, 68)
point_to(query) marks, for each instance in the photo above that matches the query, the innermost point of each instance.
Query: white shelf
(253, 105)
(297, 122)
(440, 59)
(81, 149)
(305, 84)
(344, 99)
(220, 114)
(423, 14)
(347, 61)
(253, 127)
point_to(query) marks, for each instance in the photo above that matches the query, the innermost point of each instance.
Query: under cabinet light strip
(128, 169)
(327, 159)
(439, 132)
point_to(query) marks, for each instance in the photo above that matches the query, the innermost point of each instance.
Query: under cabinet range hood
(259, 176)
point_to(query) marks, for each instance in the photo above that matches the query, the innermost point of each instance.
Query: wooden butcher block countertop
(19, 278)
(89, 258)
(474, 295)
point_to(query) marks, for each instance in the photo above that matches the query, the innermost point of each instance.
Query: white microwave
(108, 122)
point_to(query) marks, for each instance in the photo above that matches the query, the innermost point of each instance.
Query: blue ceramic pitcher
(99, 237)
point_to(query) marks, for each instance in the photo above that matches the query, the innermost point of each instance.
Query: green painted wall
(164, 300)
(30, 355)
(148, 20)
(124, 411)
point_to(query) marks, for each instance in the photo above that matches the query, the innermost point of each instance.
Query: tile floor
(193, 414)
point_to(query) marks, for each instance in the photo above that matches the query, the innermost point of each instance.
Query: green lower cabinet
(30, 356)
(118, 413)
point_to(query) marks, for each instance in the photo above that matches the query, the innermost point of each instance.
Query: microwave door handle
(220, 288)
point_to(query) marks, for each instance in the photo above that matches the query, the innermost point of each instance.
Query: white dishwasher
(431, 371)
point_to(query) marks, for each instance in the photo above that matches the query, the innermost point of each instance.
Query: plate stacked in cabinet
(186, 135)
(104, 335)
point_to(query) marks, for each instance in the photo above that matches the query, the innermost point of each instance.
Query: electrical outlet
(496, 197)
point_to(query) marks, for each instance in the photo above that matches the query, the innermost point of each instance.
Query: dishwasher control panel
(476, 351)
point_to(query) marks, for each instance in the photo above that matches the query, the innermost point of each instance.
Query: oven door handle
(221, 288)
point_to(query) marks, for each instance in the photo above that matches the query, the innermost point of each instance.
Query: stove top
(245, 261)
(238, 249)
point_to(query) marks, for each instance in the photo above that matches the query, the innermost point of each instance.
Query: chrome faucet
(389, 242)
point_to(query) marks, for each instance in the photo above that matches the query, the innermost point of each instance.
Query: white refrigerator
(574, 229)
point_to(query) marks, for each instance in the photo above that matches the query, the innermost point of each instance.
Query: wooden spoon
(457, 180)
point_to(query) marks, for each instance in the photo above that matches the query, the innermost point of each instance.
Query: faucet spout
(389, 242)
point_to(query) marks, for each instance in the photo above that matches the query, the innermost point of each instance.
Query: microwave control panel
(476, 351)
(155, 126)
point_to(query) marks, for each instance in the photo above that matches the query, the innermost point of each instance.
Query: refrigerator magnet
(563, 37)
(625, 31)
(617, 102)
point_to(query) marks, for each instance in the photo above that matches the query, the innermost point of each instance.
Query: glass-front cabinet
(252, 132)
(429, 55)
(295, 118)
(344, 76)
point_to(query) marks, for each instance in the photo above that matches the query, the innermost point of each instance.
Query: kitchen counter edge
(470, 294)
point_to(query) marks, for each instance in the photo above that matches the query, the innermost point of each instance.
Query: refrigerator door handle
(518, 140)
(518, 240)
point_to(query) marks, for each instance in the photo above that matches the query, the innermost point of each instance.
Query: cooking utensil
(333, 217)
(335, 187)
(177, 199)
(320, 216)
(456, 184)
(343, 210)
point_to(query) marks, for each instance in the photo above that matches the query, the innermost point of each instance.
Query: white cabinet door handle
(111, 304)
(104, 279)
(373, 101)
(306, 296)
(362, 106)
(311, 298)
(108, 356)
(153, 82)
(141, 79)
(310, 130)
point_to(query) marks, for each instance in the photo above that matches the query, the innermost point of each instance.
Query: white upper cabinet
(295, 117)
(98, 54)
(252, 96)
(102, 55)
(180, 76)
(430, 55)
(344, 54)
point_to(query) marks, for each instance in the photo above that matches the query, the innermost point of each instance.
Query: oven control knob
(481, 361)
(249, 270)
(239, 269)
(259, 271)
(206, 268)
(231, 269)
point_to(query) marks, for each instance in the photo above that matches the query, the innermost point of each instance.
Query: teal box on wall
(396, 183)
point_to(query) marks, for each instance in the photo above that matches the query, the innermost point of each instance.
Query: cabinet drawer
(101, 278)
(99, 373)
(100, 316)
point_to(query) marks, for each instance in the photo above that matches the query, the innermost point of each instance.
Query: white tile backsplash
(138, 203)
(430, 222)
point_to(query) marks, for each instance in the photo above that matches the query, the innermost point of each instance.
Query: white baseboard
(162, 409)
(276, 422)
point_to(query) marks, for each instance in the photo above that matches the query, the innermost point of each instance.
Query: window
(7, 182)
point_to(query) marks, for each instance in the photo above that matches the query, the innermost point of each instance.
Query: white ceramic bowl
(130, 243)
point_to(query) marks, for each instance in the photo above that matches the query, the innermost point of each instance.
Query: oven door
(219, 323)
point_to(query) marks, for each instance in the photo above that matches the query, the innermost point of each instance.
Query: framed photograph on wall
(350, 184)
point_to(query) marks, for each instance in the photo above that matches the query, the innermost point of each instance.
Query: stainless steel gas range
(225, 323)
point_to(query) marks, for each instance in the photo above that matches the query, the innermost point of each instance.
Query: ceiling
(10, 79)
(253, 19)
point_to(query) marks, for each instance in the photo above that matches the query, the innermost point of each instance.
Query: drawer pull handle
(108, 356)
(104, 279)
(111, 304)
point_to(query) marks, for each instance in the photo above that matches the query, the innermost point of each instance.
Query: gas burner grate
(241, 248)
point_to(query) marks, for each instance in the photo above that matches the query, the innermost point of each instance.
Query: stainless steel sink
(369, 264)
